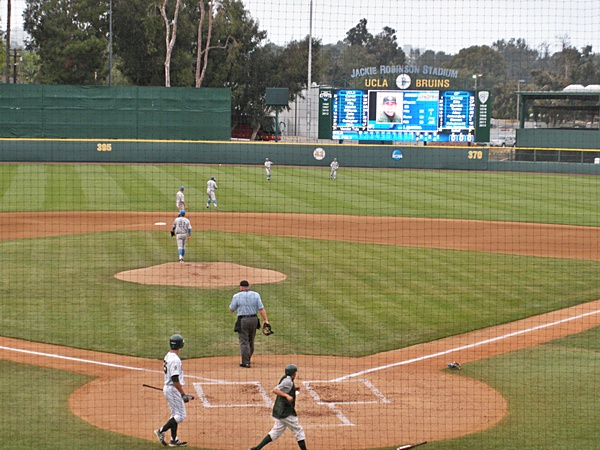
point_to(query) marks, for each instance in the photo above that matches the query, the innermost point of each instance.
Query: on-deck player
(174, 393)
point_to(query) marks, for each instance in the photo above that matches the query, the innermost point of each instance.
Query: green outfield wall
(219, 152)
(119, 112)
(254, 153)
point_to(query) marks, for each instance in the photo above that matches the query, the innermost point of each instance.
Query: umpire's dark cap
(244, 283)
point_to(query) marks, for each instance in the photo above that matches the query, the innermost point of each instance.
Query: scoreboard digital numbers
(350, 109)
(404, 116)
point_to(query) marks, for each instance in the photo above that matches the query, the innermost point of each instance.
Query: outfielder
(174, 393)
(284, 411)
(180, 199)
(182, 228)
(210, 191)
(268, 168)
(334, 167)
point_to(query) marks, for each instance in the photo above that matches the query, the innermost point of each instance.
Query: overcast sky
(440, 25)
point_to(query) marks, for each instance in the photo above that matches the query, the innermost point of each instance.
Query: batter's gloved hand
(186, 398)
(172, 233)
(266, 329)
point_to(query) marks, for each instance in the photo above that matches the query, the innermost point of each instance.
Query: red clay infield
(380, 400)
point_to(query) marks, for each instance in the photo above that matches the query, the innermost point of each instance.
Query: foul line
(90, 361)
(464, 347)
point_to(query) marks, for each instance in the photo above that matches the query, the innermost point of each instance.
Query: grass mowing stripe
(516, 197)
(414, 295)
(50, 423)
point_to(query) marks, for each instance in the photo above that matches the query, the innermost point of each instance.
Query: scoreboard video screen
(409, 116)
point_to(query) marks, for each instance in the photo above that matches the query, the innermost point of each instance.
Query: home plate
(160, 223)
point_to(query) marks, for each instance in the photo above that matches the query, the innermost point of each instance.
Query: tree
(170, 36)
(519, 57)
(70, 39)
(361, 49)
(484, 66)
(139, 42)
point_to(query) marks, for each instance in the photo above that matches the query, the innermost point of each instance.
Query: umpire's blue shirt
(246, 303)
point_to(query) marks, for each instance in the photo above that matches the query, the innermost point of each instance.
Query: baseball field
(372, 283)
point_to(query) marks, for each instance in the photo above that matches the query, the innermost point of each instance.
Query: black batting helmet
(176, 341)
(291, 369)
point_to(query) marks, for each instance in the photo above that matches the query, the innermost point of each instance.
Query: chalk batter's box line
(206, 403)
(311, 390)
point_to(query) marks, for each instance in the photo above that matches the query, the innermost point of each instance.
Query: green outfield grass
(522, 197)
(340, 298)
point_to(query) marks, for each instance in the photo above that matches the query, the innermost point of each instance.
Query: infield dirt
(347, 403)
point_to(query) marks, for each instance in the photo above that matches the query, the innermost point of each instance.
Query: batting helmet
(291, 369)
(176, 341)
(182, 212)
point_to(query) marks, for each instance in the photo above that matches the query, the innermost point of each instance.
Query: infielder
(284, 411)
(268, 168)
(180, 199)
(210, 191)
(334, 167)
(174, 393)
(182, 228)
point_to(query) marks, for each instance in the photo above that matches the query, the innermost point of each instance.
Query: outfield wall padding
(228, 152)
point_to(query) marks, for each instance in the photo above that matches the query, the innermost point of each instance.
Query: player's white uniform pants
(181, 240)
(211, 197)
(290, 422)
(175, 402)
(179, 206)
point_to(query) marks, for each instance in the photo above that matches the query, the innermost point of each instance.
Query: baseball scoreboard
(457, 116)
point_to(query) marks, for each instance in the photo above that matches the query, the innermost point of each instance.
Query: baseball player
(210, 191)
(334, 167)
(174, 393)
(247, 304)
(180, 199)
(182, 228)
(284, 411)
(268, 168)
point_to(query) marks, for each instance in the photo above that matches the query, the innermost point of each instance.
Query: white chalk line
(332, 406)
(91, 361)
(465, 347)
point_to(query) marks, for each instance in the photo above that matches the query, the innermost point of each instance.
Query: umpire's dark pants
(246, 335)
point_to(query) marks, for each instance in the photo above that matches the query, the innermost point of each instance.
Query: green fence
(102, 112)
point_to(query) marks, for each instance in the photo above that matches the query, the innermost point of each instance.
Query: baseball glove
(266, 329)
(172, 233)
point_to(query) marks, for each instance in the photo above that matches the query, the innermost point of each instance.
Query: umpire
(247, 304)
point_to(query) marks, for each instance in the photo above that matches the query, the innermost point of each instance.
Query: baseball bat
(406, 447)
(152, 387)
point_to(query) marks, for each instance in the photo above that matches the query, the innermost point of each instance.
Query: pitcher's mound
(199, 274)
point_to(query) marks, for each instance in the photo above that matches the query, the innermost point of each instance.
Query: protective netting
(417, 304)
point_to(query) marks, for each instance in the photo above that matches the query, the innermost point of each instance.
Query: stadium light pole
(476, 77)
(110, 49)
(309, 83)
